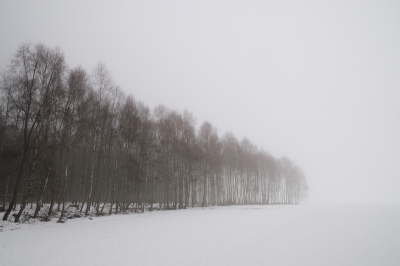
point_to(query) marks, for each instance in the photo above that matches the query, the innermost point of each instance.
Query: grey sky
(317, 81)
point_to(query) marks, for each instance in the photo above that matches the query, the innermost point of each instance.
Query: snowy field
(364, 234)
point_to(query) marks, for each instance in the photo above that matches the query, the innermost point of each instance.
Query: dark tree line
(67, 135)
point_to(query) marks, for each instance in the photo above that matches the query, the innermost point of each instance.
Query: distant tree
(209, 145)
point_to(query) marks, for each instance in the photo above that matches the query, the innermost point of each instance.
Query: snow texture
(363, 234)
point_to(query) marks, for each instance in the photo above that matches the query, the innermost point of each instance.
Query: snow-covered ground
(358, 234)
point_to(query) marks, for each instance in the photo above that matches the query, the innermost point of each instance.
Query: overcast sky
(317, 81)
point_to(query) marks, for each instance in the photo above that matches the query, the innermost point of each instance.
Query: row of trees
(70, 136)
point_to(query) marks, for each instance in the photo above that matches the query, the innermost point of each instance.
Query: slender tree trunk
(89, 198)
(100, 190)
(205, 191)
(145, 185)
(55, 188)
(40, 197)
(31, 178)
(66, 174)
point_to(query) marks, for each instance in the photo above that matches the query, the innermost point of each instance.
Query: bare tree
(103, 84)
(33, 77)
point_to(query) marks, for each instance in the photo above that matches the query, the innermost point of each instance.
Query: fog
(316, 82)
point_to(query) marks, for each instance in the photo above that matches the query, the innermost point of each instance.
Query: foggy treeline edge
(70, 136)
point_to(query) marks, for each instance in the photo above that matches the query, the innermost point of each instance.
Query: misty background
(317, 82)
